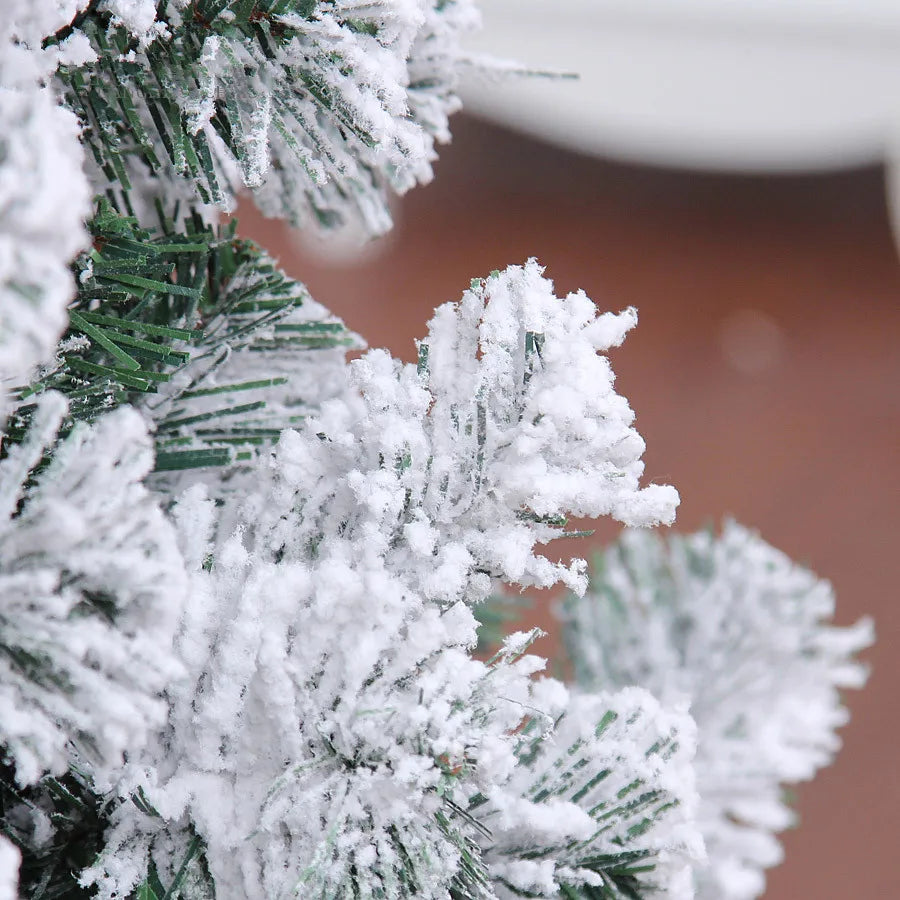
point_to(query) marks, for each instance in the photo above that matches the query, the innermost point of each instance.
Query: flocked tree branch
(319, 107)
(92, 584)
(239, 576)
(734, 627)
(44, 195)
(336, 618)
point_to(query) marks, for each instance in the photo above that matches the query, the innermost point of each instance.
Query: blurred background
(722, 166)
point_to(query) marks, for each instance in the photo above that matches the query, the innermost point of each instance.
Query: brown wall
(765, 374)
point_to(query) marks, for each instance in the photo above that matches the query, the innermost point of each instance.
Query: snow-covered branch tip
(44, 196)
(91, 583)
(333, 625)
(321, 108)
(733, 626)
(456, 468)
(604, 805)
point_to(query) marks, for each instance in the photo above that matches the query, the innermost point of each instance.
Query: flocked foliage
(603, 807)
(478, 453)
(92, 582)
(320, 108)
(731, 625)
(44, 196)
(335, 722)
(239, 577)
(198, 330)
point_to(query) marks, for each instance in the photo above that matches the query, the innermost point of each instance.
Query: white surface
(721, 84)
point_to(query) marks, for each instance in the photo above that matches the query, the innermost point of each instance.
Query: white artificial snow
(292, 382)
(333, 715)
(201, 107)
(92, 585)
(138, 16)
(76, 50)
(733, 626)
(44, 198)
(325, 123)
(44, 194)
(24, 24)
(9, 870)
(626, 760)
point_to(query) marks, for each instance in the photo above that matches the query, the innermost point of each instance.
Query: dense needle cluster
(731, 625)
(44, 195)
(239, 575)
(319, 108)
(92, 585)
(335, 721)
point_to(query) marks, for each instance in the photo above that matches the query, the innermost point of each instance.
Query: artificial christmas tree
(240, 575)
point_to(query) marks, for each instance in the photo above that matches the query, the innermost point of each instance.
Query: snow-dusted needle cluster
(238, 575)
(602, 806)
(44, 194)
(91, 586)
(321, 108)
(335, 722)
(731, 625)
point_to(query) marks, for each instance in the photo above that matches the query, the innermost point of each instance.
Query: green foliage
(157, 316)
(77, 818)
(128, 100)
(232, 85)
